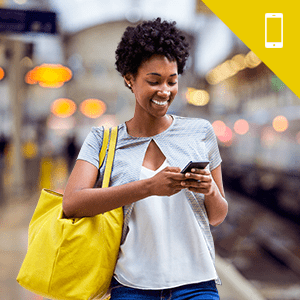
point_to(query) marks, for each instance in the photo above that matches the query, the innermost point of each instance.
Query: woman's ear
(128, 81)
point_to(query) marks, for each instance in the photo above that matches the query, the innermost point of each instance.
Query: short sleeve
(91, 146)
(212, 147)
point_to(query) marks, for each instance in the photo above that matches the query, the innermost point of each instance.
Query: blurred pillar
(16, 82)
(3, 143)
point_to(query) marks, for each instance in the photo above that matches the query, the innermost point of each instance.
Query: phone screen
(196, 165)
(274, 30)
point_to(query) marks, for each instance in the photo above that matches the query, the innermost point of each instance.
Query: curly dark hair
(139, 43)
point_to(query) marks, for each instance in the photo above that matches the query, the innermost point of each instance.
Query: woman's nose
(164, 93)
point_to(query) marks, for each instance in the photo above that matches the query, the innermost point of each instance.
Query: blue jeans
(203, 290)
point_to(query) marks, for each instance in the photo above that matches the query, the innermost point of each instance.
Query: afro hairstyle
(139, 43)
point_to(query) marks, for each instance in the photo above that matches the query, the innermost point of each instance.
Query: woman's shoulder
(98, 132)
(192, 122)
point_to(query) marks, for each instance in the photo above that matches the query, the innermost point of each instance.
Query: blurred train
(263, 160)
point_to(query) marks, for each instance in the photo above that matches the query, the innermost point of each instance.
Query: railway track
(262, 245)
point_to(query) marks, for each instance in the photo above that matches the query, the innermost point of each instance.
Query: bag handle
(111, 153)
(104, 146)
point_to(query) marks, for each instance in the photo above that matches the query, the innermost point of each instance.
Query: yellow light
(49, 75)
(239, 59)
(241, 126)
(222, 72)
(30, 150)
(197, 97)
(29, 78)
(188, 93)
(252, 60)
(231, 67)
(93, 108)
(63, 108)
(51, 84)
(280, 123)
(2, 73)
(219, 128)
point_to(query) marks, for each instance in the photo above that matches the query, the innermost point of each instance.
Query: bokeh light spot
(63, 107)
(241, 126)
(93, 108)
(49, 75)
(219, 127)
(197, 97)
(2, 73)
(226, 136)
(280, 123)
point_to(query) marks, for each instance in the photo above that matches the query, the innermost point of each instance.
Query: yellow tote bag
(72, 259)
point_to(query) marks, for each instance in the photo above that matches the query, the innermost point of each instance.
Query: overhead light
(280, 123)
(219, 127)
(49, 75)
(241, 126)
(93, 108)
(2, 73)
(197, 97)
(63, 107)
(231, 67)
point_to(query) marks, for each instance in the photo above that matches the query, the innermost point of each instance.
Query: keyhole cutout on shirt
(154, 158)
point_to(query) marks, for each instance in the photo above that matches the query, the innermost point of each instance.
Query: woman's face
(155, 85)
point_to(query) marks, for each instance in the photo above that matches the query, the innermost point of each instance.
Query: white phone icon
(273, 30)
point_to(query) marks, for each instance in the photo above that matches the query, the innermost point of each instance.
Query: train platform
(15, 217)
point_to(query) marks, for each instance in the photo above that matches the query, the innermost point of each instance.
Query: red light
(226, 136)
(219, 128)
(241, 126)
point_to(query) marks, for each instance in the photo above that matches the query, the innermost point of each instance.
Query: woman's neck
(141, 127)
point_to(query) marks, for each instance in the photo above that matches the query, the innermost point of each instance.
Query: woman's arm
(82, 200)
(211, 185)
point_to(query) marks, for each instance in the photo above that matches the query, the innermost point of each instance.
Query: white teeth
(160, 102)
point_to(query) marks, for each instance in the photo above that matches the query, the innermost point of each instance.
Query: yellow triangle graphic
(246, 19)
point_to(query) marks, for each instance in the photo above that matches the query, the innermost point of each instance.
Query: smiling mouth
(161, 103)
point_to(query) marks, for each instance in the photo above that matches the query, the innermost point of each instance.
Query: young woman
(167, 249)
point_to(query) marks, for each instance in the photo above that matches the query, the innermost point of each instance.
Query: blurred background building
(58, 79)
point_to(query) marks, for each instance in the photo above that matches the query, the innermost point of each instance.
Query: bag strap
(111, 153)
(104, 146)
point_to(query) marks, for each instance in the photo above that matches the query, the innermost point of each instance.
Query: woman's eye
(172, 83)
(152, 82)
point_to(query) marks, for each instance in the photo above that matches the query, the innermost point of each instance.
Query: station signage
(22, 21)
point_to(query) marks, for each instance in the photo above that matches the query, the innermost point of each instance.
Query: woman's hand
(167, 182)
(211, 185)
(200, 181)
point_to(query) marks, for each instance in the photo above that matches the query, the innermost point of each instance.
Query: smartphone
(273, 30)
(194, 165)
